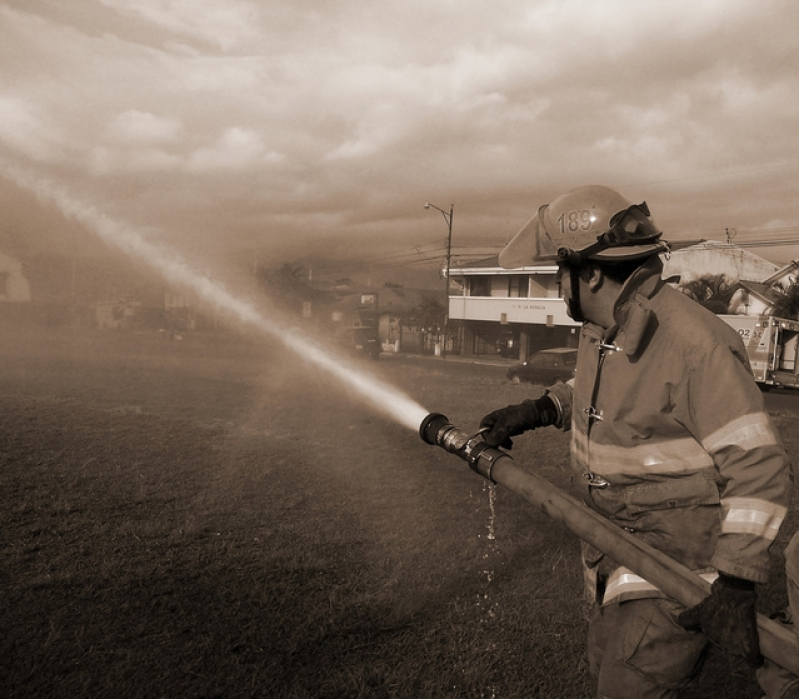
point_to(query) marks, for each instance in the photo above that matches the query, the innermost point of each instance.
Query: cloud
(236, 149)
(226, 25)
(136, 127)
(357, 112)
(26, 131)
(137, 161)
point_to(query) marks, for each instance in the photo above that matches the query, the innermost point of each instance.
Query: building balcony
(503, 309)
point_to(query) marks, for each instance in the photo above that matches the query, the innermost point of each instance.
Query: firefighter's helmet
(589, 223)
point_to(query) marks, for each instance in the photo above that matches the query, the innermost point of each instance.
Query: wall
(717, 258)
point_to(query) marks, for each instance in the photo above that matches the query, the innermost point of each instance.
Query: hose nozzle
(437, 430)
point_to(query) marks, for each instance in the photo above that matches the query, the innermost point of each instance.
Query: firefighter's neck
(598, 295)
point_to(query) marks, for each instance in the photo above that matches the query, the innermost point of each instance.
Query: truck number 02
(575, 221)
(746, 334)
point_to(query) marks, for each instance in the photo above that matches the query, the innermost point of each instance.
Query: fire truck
(773, 347)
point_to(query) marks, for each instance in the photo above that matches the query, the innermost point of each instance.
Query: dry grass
(210, 518)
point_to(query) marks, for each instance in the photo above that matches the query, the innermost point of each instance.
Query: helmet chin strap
(575, 310)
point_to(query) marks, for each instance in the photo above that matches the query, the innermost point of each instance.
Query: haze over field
(271, 131)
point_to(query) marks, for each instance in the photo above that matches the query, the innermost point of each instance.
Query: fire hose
(777, 643)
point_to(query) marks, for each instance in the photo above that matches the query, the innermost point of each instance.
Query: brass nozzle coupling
(437, 430)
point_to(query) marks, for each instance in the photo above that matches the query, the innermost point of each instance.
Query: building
(409, 319)
(396, 314)
(511, 313)
(516, 312)
(713, 257)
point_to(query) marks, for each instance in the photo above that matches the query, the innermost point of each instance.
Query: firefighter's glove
(509, 422)
(727, 617)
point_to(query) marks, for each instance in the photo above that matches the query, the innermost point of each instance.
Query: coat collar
(632, 310)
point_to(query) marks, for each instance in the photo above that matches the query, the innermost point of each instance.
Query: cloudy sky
(295, 126)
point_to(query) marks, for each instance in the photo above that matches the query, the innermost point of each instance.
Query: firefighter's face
(588, 293)
(567, 277)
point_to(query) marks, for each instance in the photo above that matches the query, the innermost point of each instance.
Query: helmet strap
(575, 310)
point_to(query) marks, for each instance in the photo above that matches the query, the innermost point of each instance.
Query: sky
(273, 131)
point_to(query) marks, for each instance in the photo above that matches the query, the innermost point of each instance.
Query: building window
(457, 286)
(480, 286)
(538, 287)
(518, 286)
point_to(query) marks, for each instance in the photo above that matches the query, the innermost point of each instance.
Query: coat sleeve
(561, 395)
(722, 407)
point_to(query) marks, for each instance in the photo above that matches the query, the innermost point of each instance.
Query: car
(546, 367)
(361, 340)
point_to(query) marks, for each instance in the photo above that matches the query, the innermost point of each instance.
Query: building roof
(762, 290)
(791, 268)
(492, 261)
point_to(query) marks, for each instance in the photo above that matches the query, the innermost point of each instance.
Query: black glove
(727, 617)
(515, 419)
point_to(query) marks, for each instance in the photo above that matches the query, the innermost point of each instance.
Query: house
(387, 310)
(402, 323)
(753, 299)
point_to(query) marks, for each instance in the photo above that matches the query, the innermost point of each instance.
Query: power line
(766, 243)
(376, 263)
(388, 259)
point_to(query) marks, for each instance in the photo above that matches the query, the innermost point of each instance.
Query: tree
(428, 318)
(288, 286)
(787, 303)
(713, 291)
(427, 315)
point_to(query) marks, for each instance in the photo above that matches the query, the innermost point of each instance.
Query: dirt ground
(214, 518)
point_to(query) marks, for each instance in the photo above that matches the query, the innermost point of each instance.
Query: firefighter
(669, 440)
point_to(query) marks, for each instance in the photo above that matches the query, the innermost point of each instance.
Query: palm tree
(787, 303)
(713, 291)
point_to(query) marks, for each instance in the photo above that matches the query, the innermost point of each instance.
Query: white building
(508, 312)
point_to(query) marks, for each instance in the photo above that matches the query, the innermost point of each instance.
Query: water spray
(377, 394)
(777, 643)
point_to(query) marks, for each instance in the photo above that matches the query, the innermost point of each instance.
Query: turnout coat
(670, 439)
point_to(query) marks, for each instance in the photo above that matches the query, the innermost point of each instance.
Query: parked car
(546, 367)
(361, 340)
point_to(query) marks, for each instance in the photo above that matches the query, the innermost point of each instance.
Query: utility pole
(448, 218)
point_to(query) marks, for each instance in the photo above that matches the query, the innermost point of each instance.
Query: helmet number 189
(574, 221)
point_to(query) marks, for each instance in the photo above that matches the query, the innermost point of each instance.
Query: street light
(448, 219)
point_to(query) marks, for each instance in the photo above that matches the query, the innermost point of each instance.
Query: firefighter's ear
(595, 277)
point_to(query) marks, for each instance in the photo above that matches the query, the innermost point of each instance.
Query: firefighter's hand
(727, 617)
(509, 422)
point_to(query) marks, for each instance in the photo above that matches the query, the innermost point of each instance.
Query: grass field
(214, 518)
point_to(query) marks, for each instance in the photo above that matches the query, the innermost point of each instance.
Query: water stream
(378, 395)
